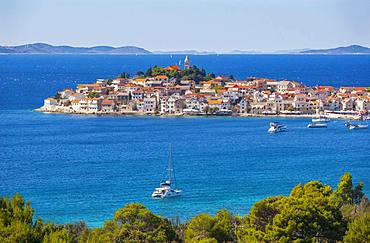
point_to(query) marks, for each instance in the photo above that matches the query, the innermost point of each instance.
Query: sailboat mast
(171, 170)
(170, 163)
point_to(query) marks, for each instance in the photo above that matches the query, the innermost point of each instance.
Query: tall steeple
(187, 63)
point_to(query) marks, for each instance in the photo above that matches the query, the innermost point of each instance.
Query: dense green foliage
(359, 230)
(92, 94)
(193, 73)
(312, 212)
(205, 228)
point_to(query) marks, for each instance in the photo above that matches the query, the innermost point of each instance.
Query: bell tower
(186, 63)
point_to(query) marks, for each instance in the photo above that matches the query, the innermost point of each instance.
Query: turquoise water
(85, 167)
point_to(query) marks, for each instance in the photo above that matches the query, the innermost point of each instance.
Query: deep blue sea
(75, 167)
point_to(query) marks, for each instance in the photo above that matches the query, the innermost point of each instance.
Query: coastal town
(188, 90)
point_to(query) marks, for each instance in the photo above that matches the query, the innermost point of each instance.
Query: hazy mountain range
(190, 52)
(42, 48)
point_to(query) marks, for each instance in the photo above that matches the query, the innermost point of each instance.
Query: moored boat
(276, 127)
(354, 126)
(165, 190)
(321, 119)
(317, 125)
(357, 126)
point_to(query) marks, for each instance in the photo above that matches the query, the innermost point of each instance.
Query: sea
(85, 167)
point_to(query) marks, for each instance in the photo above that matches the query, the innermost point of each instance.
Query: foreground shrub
(359, 230)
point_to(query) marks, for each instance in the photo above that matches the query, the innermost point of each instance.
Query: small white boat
(321, 119)
(164, 190)
(276, 127)
(348, 123)
(357, 126)
(317, 125)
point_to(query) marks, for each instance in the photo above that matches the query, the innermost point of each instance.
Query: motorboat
(167, 187)
(276, 127)
(317, 125)
(321, 119)
(348, 123)
(353, 126)
(357, 126)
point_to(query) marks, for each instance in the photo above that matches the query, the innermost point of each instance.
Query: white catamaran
(165, 190)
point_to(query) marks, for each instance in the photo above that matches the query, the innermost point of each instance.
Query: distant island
(42, 48)
(353, 49)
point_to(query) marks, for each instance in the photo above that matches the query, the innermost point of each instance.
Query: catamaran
(165, 190)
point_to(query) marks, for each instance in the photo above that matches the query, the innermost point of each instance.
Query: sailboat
(165, 190)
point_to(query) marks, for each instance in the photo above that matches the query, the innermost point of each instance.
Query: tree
(205, 228)
(158, 71)
(67, 103)
(308, 214)
(351, 212)
(124, 75)
(359, 230)
(92, 94)
(16, 220)
(140, 73)
(135, 223)
(357, 193)
(263, 212)
(247, 233)
(346, 193)
(60, 235)
(199, 228)
(148, 72)
(224, 226)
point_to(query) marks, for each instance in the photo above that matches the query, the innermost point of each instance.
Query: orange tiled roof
(214, 102)
(161, 77)
(107, 102)
(140, 80)
(172, 67)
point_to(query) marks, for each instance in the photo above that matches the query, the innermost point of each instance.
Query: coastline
(135, 113)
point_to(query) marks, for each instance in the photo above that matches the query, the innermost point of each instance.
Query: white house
(150, 104)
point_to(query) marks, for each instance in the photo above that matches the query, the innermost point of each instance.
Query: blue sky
(212, 25)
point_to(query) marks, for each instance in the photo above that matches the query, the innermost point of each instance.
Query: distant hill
(353, 49)
(42, 48)
(241, 52)
(188, 52)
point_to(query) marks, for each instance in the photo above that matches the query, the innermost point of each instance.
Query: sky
(203, 25)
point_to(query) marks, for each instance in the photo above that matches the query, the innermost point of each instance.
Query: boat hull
(168, 194)
(317, 125)
(356, 127)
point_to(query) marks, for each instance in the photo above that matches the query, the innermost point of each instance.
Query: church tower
(186, 63)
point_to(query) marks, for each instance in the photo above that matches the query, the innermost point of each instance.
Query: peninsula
(190, 90)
